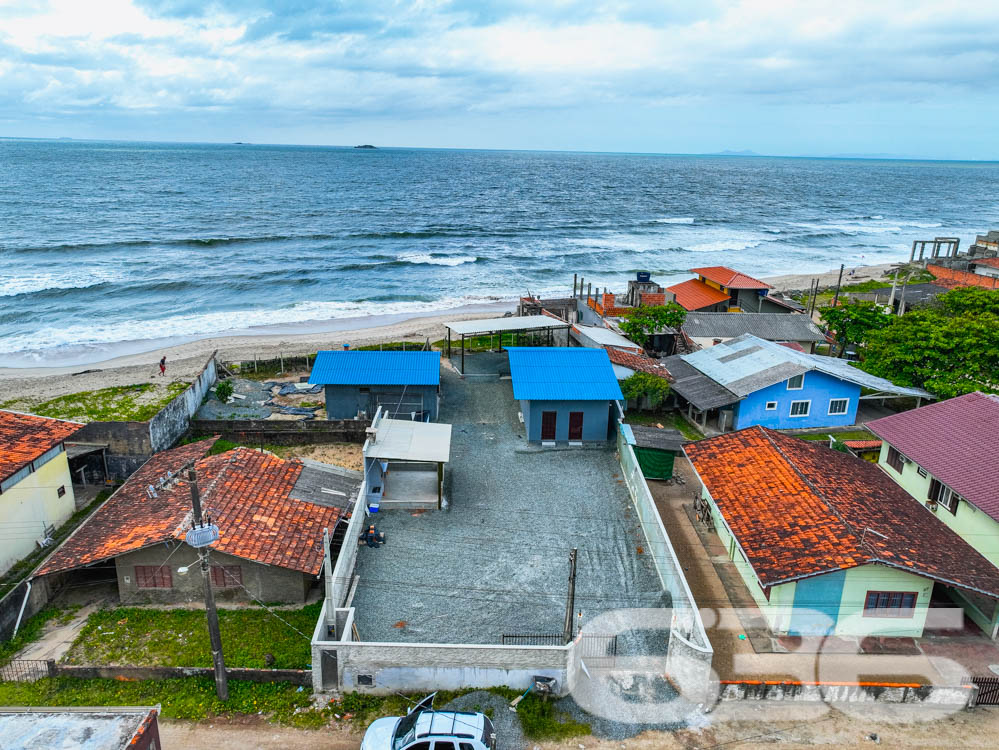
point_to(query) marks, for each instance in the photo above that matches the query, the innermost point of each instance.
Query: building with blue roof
(566, 394)
(405, 384)
(748, 381)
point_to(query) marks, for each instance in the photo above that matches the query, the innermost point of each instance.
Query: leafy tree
(852, 322)
(645, 384)
(645, 321)
(949, 349)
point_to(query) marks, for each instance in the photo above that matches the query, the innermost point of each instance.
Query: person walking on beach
(163, 366)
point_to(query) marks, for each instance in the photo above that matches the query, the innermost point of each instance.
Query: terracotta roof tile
(799, 509)
(695, 294)
(862, 444)
(246, 492)
(25, 437)
(729, 277)
(955, 441)
(638, 362)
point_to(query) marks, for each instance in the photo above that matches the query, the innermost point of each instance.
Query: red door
(575, 425)
(548, 421)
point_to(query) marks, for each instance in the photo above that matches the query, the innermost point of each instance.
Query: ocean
(111, 246)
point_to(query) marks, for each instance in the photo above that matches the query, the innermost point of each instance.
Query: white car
(425, 729)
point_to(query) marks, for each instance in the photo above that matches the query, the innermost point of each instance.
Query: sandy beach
(185, 360)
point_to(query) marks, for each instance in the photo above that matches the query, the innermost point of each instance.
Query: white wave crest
(677, 220)
(427, 259)
(733, 244)
(40, 282)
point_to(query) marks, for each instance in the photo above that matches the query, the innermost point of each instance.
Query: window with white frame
(771, 406)
(943, 495)
(838, 406)
(800, 408)
(796, 383)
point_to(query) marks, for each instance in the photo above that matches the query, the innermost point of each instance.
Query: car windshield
(405, 731)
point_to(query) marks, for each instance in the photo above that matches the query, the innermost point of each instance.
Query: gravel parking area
(496, 562)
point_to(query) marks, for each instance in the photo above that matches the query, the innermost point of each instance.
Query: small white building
(404, 463)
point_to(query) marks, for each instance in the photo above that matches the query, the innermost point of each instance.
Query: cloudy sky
(905, 77)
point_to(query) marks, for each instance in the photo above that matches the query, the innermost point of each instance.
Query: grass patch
(116, 404)
(179, 637)
(190, 698)
(20, 570)
(840, 436)
(31, 629)
(223, 446)
(391, 346)
(489, 343)
(670, 420)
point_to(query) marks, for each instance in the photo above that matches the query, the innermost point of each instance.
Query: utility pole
(570, 604)
(838, 284)
(201, 541)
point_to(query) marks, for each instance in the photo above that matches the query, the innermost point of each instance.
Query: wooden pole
(570, 604)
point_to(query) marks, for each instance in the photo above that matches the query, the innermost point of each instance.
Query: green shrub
(223, 391)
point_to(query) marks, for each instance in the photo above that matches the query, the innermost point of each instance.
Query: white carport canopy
(405, 440)
(487, 326)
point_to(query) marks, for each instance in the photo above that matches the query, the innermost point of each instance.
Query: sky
(818, 77)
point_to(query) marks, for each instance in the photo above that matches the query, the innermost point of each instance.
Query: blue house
(748, 381)
(566, 394)
(405, 384)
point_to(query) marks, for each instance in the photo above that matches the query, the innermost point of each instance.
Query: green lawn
(126, 403)
(179, 637)
(851, 435)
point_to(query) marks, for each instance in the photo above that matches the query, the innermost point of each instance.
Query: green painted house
(946, 457)
(827, 544)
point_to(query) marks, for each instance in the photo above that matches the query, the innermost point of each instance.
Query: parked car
(423, 728)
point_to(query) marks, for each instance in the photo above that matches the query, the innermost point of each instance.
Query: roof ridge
(831, 506)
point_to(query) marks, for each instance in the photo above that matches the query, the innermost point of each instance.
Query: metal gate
(988, 690)
(24, 670)
(598, 650)
(533, 639)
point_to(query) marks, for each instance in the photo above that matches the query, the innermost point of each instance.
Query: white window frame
(791, 413)
(846, 408)
(770, 406)
(798, 388)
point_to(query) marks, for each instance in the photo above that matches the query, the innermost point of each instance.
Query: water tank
(644, 276)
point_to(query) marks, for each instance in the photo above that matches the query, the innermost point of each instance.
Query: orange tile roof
(638, 362)
(695, 294)
(729, 277)
(246, 492)
(25, 437)
(862, 444)
(798, 509)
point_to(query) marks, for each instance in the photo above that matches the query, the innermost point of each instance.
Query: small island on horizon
(366, 145)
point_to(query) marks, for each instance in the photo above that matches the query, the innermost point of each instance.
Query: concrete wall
(595, 419)
(31, 505)
(267, 583)
(129, 445)
(40, 593)
(172, 421)
(280, 432)
(957, 695)
(294, 676)
(346, 401)
(817, 387)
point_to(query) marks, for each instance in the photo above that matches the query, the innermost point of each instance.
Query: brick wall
(951, 277)
(652, 299)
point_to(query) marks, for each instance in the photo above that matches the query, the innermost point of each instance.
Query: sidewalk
(734, 623)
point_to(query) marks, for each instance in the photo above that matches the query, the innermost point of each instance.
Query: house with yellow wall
(946, 456)
(723, 289)
(36, 488)
(829, 545)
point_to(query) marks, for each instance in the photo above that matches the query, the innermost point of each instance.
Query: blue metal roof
(376, 368)
(562, 373)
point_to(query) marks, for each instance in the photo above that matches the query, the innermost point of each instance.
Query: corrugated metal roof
(606, 337)
(695, 386)
(746, 364)
(562, 374)
(769, 326)
(376, 368)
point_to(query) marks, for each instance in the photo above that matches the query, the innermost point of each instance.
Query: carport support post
(462, 354)
(221, 679)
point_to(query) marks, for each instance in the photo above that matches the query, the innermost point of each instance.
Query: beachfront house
(565, 394)
(827, 544)
(271, 514)
(36, 488)
(946, 455)
(723, 289)
(748, 381)
(711, 328)
(406, 385)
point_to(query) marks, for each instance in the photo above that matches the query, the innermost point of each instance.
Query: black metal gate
(533, 639)
(598, 650)
(988, 690)
(24, 670)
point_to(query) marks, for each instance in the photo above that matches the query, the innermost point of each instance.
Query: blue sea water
(109, 242)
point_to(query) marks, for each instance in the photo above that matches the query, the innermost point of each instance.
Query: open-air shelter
(516, 325)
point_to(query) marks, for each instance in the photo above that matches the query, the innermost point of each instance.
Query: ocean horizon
(109, 242)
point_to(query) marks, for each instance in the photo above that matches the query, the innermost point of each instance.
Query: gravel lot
(496, 562)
